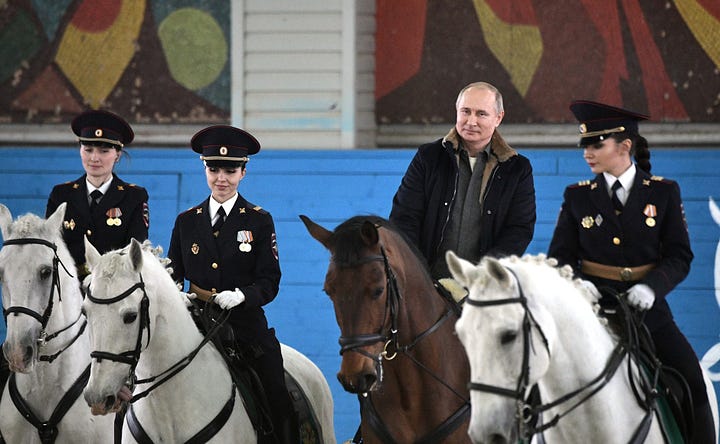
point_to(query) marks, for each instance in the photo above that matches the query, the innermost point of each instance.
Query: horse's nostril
(109, 402)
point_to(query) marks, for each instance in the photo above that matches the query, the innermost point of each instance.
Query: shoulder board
(582, 183)
(193, 210)
(657, 178)
(259, 209)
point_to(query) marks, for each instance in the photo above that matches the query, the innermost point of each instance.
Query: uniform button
(89, 232)
(489, 211)
(214, 265)
(616, 240)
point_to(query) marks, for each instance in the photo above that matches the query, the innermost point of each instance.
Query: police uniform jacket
(121, 214)
(650, 230)
(423, 203)
(219, 264)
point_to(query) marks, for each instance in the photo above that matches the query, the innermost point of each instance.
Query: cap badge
(587, 221)
(583, 128)
(98, 132)
(223, 151)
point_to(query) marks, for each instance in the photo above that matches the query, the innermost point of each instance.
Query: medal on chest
(245, 237)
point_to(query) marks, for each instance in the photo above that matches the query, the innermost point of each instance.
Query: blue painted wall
(331, 186)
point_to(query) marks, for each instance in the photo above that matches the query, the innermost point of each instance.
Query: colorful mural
(660, 58)
(151, 61)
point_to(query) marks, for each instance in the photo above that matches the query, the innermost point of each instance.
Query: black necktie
(95, 197)
(219, 222)
(615, 200)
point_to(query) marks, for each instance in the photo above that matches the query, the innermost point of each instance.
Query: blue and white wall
(332, 185)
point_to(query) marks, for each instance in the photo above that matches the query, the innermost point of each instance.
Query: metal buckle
(626, 274)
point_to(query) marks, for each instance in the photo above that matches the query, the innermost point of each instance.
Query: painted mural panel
(150, 61)
(659, 57)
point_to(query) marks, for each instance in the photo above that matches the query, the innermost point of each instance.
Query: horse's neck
(173, 335)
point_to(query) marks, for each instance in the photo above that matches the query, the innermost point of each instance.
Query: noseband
(44, 318)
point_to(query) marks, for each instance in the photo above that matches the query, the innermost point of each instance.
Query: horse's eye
(45, 272)
(508, 337)
(378, 292)
(129, 318)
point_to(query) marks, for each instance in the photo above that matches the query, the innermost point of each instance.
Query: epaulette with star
(259, 209)
(582, 183)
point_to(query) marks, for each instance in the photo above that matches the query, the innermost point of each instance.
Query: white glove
(229, 298)
(591, 288)
(641, 297)
(187, 298)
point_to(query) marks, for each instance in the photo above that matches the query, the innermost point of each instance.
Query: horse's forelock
(31, 225)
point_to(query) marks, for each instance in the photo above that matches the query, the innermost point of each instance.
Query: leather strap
(202, 294)
(615, 273)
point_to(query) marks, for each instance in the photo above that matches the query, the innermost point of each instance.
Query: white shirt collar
(626, 179)
(103, 188)
(227, 206)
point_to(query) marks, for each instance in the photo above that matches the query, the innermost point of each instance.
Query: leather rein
(392, 348)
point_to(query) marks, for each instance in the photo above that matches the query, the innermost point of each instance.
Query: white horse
(46, 346)
(712, 356)
(527, 322)
(141, 327)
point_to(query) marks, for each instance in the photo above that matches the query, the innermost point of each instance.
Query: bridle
(44, 318)
(525, 410)
(132, 357)
(390, 336)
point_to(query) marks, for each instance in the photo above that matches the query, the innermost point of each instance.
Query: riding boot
(704, 425)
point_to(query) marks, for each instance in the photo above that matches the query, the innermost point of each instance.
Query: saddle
(248, 384)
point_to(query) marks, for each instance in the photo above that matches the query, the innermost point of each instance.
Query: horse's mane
(348, 244)
(32, 225)
(564, 273)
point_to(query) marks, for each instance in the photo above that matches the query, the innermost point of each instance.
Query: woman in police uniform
(626, 230)
(226, 248)
(101, 206)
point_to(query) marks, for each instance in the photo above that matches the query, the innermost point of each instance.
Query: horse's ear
(5, 220)
(92, 257)
(497, 271)
(461, 270)
(56, 219)
(136, 257)
(319, 233)
(369, 233)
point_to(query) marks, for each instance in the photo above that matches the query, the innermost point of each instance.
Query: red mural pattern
(632, 53)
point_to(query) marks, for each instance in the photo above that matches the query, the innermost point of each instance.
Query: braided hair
(640, 148)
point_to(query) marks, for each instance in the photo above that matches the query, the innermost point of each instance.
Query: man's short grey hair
(499, 108)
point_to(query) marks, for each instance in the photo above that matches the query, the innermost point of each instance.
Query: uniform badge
(245, 237)
(587, 221)
(650, 211)
(75, 186)
(146, 214)
(69, 225)
(646, 182)
(273, 245)
(598, 219)
(121, 188)
(113, 215)
(242, 210)
(198, 211)
(593, 185)
(195, 248)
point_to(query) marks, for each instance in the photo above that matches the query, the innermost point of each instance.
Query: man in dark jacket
(469, 192)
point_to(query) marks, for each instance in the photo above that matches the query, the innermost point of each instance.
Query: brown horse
(398, 346)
